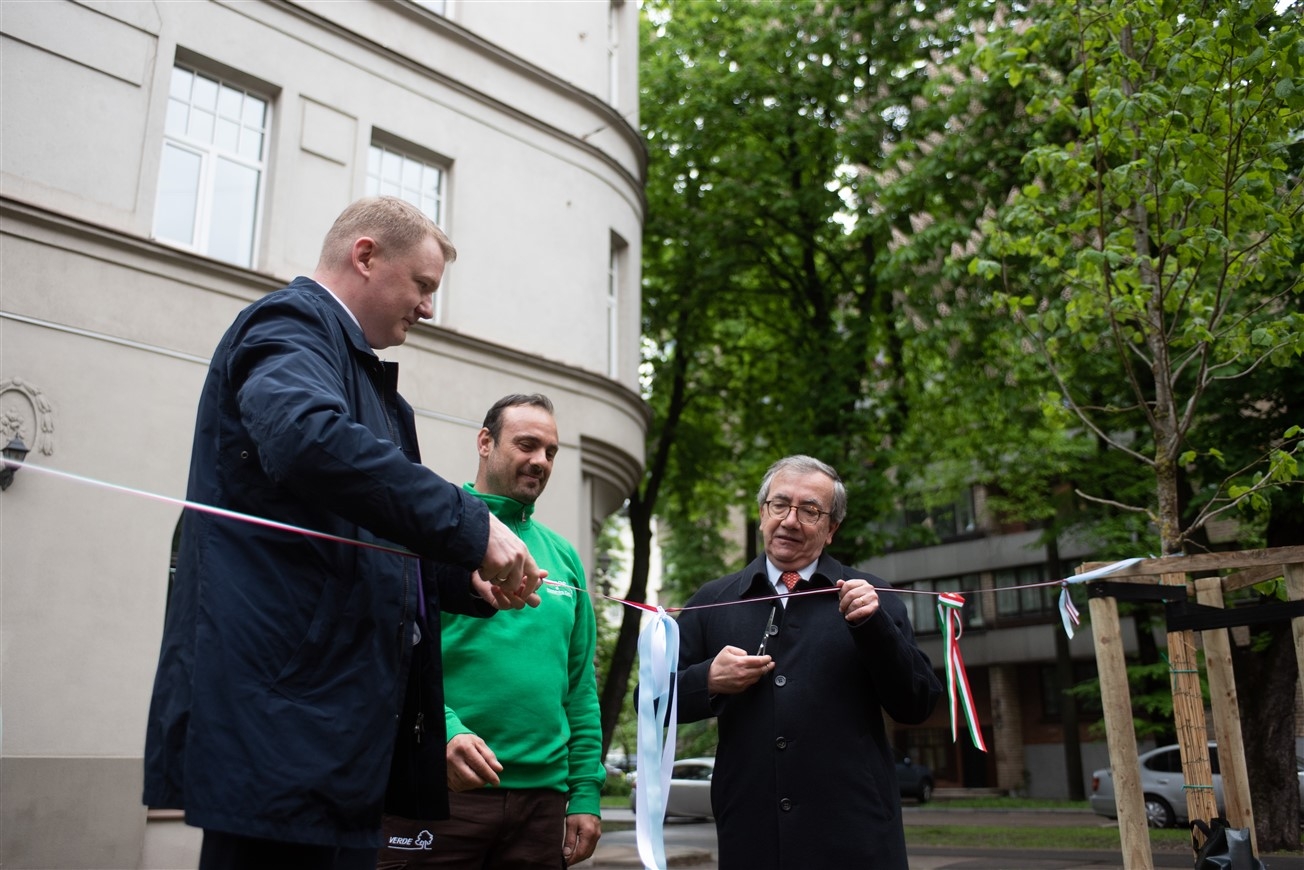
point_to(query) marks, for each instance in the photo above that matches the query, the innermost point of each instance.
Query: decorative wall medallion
(25, 412)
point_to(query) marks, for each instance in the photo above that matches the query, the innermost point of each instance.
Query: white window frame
(616, 258)
(209, 154)
(411, 156)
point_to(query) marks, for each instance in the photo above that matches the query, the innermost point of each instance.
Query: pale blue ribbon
(658, 702)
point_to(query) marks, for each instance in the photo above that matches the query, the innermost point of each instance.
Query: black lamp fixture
(14, 453)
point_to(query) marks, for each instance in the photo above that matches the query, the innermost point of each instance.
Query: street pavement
(693, 845)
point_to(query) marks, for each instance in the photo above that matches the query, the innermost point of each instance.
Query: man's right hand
(733, 671)
(510, 568)
(471, 763)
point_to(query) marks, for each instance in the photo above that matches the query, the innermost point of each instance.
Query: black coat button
(780, 743)
(785, 805)
(780, 680)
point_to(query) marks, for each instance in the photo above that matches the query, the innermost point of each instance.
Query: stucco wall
(105, 333)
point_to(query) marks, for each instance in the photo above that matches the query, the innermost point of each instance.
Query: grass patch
(1008, 803)
(1008, 837)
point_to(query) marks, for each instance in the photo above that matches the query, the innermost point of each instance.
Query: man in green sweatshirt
(524, 733)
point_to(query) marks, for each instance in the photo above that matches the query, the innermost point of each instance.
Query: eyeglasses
(807, 514)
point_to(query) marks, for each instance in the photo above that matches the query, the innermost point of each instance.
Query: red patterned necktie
(790, 579)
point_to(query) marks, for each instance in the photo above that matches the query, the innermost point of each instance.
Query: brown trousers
(487, 829)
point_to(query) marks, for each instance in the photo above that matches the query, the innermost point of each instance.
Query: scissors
(766, 636)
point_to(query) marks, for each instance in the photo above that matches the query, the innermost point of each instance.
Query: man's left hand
(857, 599)
(582, 833)
(495, 594)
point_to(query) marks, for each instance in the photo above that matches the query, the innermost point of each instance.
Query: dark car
(915, 780)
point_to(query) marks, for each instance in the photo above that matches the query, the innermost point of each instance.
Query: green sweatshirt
(523, 681)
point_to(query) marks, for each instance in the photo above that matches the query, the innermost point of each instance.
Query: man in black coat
(804, 775)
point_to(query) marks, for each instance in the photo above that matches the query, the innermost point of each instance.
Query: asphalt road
(693, 844)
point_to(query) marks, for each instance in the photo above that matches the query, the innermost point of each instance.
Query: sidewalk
(617, 849)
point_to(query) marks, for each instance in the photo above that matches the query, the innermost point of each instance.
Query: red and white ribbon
(1068, 612)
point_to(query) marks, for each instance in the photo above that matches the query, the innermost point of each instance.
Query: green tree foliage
(1160, 241)
(1050, 247)
(1152, 260)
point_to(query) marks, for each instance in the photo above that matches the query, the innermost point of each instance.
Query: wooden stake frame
(1251, 566)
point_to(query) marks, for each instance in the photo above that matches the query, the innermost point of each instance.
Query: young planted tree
(1162, 244)
(1162, 238)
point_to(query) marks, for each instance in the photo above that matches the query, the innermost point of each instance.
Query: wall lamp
(14, 453)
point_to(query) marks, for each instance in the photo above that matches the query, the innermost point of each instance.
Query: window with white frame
(921, 605)
(439, 7)
(210, 185)
(1021, 593)
(392, 172)
(395, 171)
(615, 272)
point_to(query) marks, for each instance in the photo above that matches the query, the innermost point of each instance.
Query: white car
(1163, 786)
(690, 789)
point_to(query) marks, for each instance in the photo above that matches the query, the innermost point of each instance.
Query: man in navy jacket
(298, 691)
(804, 775)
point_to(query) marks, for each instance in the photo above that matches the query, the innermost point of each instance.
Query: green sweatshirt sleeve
(453, 725)
(587, 774)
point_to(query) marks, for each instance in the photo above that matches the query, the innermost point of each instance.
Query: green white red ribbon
(949, 605)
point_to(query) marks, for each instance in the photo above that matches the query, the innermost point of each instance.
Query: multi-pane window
(1052, 691)
(923, 608)
(393, 173)
(951, 520)
(615, 269)
(1017, 594)
(211, 176)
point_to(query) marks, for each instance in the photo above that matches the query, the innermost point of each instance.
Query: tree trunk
(616, 687)
(1265, 684)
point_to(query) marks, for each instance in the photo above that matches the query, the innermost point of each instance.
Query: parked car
(690, 789)
(1163, 786)
(915, 780)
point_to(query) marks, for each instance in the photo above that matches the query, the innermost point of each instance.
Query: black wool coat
(804, 774)
(290, 702)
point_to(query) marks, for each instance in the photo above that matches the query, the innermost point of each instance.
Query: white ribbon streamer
(658, 703)
(1069, 613)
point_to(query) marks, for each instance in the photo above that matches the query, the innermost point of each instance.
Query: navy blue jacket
(286, 660)
(804, 773)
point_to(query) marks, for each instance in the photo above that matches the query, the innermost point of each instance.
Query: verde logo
(421, 842)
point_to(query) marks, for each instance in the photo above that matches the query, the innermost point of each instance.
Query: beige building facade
(164, 164)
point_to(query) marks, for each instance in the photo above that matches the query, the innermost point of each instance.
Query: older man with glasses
(804, 774)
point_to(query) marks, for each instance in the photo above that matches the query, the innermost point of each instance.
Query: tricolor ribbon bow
(949, 605)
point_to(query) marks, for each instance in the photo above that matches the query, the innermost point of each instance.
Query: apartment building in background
(163, 165)
(1016, 653)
